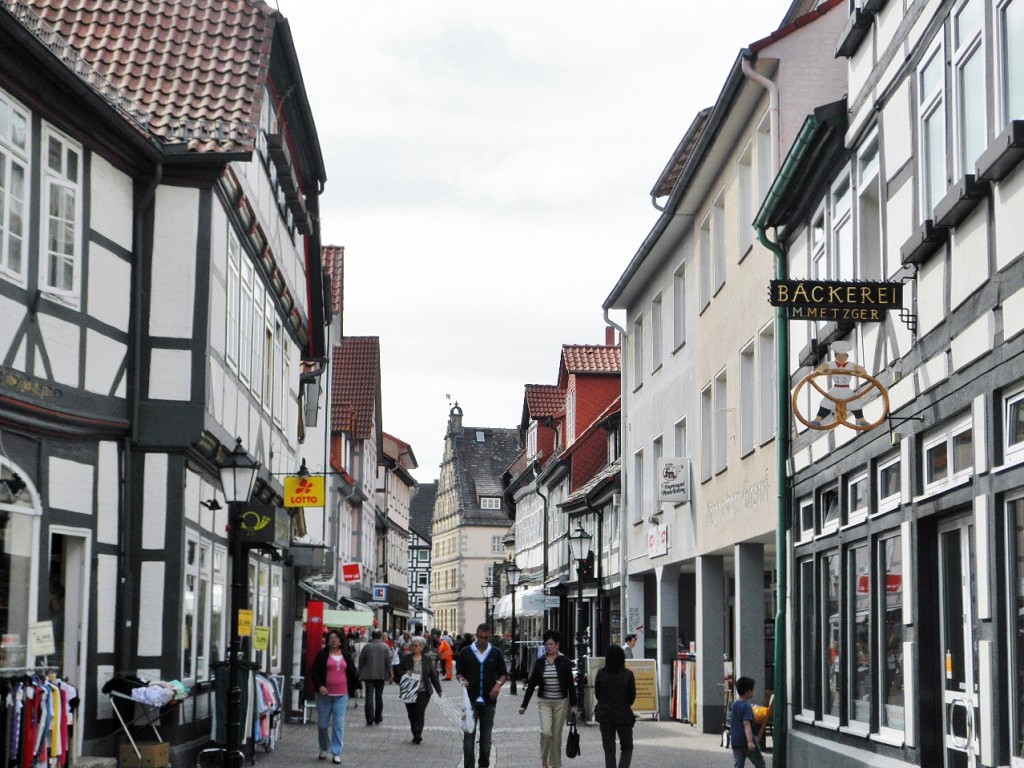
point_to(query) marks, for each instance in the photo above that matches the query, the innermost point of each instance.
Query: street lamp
(512, 573)
(579, 548)
(237, 478)
(487, 588)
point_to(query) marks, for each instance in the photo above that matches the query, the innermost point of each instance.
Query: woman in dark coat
(335, 679)
(417, 662)
(615, 689)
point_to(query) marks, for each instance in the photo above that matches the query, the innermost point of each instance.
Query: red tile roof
(588, 358)
(544, 400)
(356, 383)
(333, 257)
(196, 68)
(795, 24)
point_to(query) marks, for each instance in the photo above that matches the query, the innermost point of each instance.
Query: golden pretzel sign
(841, 405)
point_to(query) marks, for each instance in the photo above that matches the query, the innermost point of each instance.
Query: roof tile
(355, 383)
(589, 358)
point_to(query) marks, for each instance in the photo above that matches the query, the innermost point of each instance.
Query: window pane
(972, 110)
(54, 155)
(859, 495)
(829, 507)
(935, 160)
(889, 480)
(1016, 557)
(17, 545)
(19, 130)
(830, 590)
(1013, 61)
(936, 463)
(931, 75)
(963, 451)
(860, 634)
(966, 21)
(807, 624)
(1015, 422)
(892, 633)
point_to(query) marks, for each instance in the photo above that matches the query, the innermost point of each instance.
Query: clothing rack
(37, 715)
(145, 714)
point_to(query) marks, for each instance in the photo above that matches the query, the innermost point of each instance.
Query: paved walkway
(516, 740)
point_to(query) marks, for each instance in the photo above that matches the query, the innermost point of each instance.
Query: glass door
(959, 651)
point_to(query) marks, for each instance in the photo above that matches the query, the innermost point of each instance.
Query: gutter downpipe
(773, 103)
(544, 498)
(623, 560)
(781, 183)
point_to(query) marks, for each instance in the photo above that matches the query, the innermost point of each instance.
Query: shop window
(889, 481)
(807, 655)
(1013, 426)
(948, 456)
(198, 635)
(857, 498)
(828, 506)
(19, 539)
(890, 669)
(1015, 633)
(831, 685)
(859, 624)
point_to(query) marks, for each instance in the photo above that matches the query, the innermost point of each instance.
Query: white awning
(334, 619)
(529, 602)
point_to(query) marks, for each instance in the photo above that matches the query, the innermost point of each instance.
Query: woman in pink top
(335, 678)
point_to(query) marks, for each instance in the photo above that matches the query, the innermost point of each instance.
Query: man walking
(374, 669)
(481, 670)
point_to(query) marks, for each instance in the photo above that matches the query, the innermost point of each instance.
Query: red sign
(351, 572)
(893, 582)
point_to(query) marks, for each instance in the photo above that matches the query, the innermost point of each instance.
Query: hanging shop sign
(304, 491)
(265, 524)
(351, 572)
(844, 400)
(674, 479)
(824, 300)
(380, 593)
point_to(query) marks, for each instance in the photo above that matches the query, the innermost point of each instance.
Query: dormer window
(490, 502)
(479, 436)
(531, 439)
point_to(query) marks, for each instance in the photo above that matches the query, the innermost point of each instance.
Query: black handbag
(572, 741)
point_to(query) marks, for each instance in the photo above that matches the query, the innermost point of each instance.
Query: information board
(645, 671)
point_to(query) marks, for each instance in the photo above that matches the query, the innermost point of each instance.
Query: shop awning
(529, 602)
(336, 619)
(316, 594)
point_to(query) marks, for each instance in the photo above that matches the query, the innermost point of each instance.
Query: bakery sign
(824, 300)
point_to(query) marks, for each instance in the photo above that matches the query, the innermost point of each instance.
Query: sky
(489, 168)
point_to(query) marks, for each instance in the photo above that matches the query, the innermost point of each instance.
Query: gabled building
(396, 488)
(160, 292)
(469, 521)
(421, 513)
(356, 450)
(906, 521)
(698, 384)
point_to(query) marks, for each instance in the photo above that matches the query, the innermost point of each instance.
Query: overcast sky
(489, 167)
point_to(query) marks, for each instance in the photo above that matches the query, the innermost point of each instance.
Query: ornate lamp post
(487, 588)
(512, 573)
(237, 478)
(579, 546)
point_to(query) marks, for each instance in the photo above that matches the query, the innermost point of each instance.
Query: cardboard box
(153, 755)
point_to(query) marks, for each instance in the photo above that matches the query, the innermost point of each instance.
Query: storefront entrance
(958, 601)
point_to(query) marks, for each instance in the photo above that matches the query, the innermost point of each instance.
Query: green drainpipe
(778, 188)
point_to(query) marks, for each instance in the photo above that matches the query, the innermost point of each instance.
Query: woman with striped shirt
(552, 675)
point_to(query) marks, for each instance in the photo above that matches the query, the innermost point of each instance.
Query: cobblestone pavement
(515, 737)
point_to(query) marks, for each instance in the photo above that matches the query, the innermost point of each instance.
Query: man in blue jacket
(481, 670)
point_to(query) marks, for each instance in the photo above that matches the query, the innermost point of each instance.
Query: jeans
(552, 720)
(330, 719)
(625, 733)
(741, 755)
(485, 724)
(416, 711)
(374, 701)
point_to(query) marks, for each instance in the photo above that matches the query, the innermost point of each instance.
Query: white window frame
(968, 48)
(51, 180)
(826, 524)
(766, 383)
(679, 438)
(232, 290)
(745, 210)
(497, 545)
(531, 439)
(931, 104)
(880, 572)
(870, 245)
(638, 352)
(570, 416)
(722, 413)
(748, 390)
(707, 420)
(843, 266)
(245, 319)
(945, 436)
(638, 486)
(490, 502)
(1013, 453)
(823, 647)
(805, 515)
(657, 451)
(15, 153)
(679, 307)
(858, 514)
(258, 343)
(704, 248)
(892, 501)
(718, 241)
(269, 360)
(657, 333)
(1009, 108)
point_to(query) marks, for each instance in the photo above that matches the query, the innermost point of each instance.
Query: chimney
(609, 336)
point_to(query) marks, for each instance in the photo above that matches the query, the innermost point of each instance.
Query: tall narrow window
(269, 363)
(657, 333)
(679, 439)
(889, 588)
(969, 84)
(1015, 584)
(808, 645)
(766, 383)
(704, 244)
(258, 343)
(679, 307)
(232, 288)
(245, 312)
(859, 622)
(280, 365)
(638, 486)
(869, 215)
(707, 413)
(1011, 41)
(722, 414)
(62, 214)
(657, 451)
(14, 164)
(745, 213)
(931, 115)
(570, 416)
(831, 685)
(843, 256)
(748, 387)
(638, 352)
(718, 240)
(765, 172)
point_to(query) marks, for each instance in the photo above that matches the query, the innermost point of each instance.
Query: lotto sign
(304, 492)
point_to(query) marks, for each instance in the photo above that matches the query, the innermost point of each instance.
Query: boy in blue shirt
(744, 745)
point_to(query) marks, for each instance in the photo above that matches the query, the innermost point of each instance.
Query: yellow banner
(645, 672)
(244, 622)
(261, 638)
(304, 491)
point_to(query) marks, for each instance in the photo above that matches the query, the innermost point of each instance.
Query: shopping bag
(572, 741)
(468, 715)
(409, 688)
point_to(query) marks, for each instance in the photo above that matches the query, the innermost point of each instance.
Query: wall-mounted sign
(657, 540)
(860, 302)
(380, 593)
(265, 524)
(674, 479)
(351, 572)
(304, 492)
